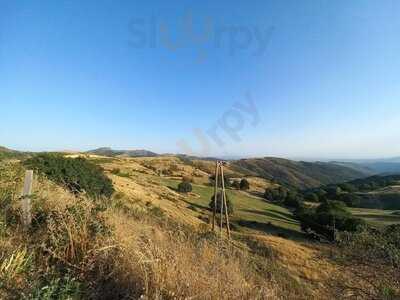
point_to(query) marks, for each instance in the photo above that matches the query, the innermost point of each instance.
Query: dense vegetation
(77, 174)
(323, 220)
(284, 196)
(328, 218)
(365, 193)
(376, 251)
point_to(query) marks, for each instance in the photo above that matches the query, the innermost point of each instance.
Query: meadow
(377, 217)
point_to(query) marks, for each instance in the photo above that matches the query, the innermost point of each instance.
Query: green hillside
(297, 174)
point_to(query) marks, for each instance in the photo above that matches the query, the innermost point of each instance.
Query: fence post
(26, 200)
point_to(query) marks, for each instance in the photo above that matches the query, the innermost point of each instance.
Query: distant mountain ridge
(378, 166)
(106, 151)
(355, 166)
(298, 174)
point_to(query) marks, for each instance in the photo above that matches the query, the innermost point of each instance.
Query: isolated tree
(244, 184)
(219, 201)
(184, 187)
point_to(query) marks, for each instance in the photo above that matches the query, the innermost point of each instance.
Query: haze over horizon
(284, 79)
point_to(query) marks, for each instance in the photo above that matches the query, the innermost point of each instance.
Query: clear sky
(250, 78)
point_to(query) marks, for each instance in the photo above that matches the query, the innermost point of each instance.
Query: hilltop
(106, 151)
(9, 153)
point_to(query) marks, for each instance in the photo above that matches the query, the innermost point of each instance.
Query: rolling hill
(106, 151)
(297, 174)
(377, 166)
(8, 153)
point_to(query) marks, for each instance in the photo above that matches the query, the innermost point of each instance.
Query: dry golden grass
(173, 265)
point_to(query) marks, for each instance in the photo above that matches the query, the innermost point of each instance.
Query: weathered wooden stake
(220, 197)
(26, 200)
(224, 202)
(215, 197)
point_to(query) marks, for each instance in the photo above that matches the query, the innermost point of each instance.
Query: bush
(219, 200)
(278, 195)
(375, 246)
(244, 184)
(293, 200)
(184, 187)
(78, 175)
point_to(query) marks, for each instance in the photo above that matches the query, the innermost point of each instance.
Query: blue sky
(323, 77)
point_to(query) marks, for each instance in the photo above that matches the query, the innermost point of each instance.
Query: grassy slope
(252, 212)
(377, 217)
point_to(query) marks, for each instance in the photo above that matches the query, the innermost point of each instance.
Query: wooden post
(26, 200)
(215, 196)
(223, 200)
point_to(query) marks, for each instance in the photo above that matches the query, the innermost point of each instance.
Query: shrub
(293, 200)
(219, 201)
(244, 184)
(375, 246)
(78, 175)
(277, 195)
(184, 187)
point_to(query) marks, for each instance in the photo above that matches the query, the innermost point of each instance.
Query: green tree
(244, 184)
(219, 201)
(184, 187)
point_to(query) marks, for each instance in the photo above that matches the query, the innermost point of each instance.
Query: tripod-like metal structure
(220, 198)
